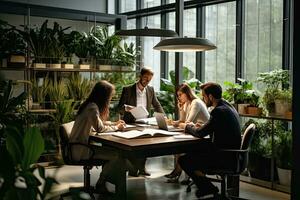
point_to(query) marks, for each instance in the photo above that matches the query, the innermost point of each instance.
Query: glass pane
(151, 58)
(263, 37)
(110, 7)
(150, 3)
(221, 30)
(171, 55)
(189, 30)
(127, 5)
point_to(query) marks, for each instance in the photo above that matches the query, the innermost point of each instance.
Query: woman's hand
(120, 125)
(175, 123)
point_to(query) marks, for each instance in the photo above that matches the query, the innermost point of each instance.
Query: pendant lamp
(153, 32)
(185, 44)
(147, 32)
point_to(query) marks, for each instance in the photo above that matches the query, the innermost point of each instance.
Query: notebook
(144, 133)
(162, 124)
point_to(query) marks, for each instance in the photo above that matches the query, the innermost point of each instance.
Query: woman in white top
(192, 109)
(92, 118)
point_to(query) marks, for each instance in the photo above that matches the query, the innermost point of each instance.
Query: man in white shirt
(139, 94)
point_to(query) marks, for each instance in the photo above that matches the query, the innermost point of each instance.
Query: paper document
(150, 120)
(145, 133)
(138, 112)
(183, 136)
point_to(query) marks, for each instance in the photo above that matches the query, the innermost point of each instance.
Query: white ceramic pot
(281, 107)
(284, 176)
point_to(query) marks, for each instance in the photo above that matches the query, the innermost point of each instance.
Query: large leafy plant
(22, 150)
(46, 44)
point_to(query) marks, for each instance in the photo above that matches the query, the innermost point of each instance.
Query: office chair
(240, 166)
(66, 147)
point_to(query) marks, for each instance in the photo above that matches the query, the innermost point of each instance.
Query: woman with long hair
(92, 118)
(191, 109)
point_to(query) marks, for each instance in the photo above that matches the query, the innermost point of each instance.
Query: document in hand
(144, 134)
(139, 112)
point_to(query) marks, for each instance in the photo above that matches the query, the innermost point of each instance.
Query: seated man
(224, 130)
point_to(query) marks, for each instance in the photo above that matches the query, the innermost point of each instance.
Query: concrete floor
(155, 186)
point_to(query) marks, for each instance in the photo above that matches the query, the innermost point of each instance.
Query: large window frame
(166, 7)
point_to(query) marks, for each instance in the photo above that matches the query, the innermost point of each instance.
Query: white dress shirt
(141, 98)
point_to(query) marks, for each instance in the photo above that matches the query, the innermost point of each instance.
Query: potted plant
(57, 92)
(283, 153)
(283, 102)
(239, 94)
(260, 153)
(39, 90)
(45, 44)
(273, 80)
(78, 87)
(104, 47)
(253, 108)
(126, 56)
(81, 45)
(12, 47)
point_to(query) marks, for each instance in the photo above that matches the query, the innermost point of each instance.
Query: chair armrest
(83, 145)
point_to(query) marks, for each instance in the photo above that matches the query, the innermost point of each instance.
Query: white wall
(85, 5)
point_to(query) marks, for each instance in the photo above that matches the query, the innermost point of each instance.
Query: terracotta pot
(243, 108)
(289, 115)
(254, 111)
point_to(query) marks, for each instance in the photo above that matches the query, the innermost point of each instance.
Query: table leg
(121, 186)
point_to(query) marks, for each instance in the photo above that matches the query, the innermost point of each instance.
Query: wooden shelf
(75, 70)
(12, 68)
(42, 111)
(272, 117)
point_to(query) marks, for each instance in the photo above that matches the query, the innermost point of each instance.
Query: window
(189, 30)
(221, 30)
(150, 3)
(151, 58)
(263, 37)
(127, 5)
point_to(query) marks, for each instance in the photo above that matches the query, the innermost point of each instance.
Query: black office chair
(66, 147)
(241, 163)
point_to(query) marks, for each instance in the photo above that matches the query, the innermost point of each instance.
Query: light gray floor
(155, 186)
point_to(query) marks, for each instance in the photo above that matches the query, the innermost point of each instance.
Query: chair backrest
(246, 141)
(247, 137)
(64, 134)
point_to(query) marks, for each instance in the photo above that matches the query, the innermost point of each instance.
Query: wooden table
(144, 147)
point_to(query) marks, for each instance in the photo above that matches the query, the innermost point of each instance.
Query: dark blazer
(223, 127)
(129, 97)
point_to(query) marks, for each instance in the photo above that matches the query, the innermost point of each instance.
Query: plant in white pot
(273, 80)
(283, 153)
(283, 102)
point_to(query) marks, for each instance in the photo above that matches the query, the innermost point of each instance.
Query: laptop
(162, 124)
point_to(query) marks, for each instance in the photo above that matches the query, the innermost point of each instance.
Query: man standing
(224, 130)
(139, 94)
